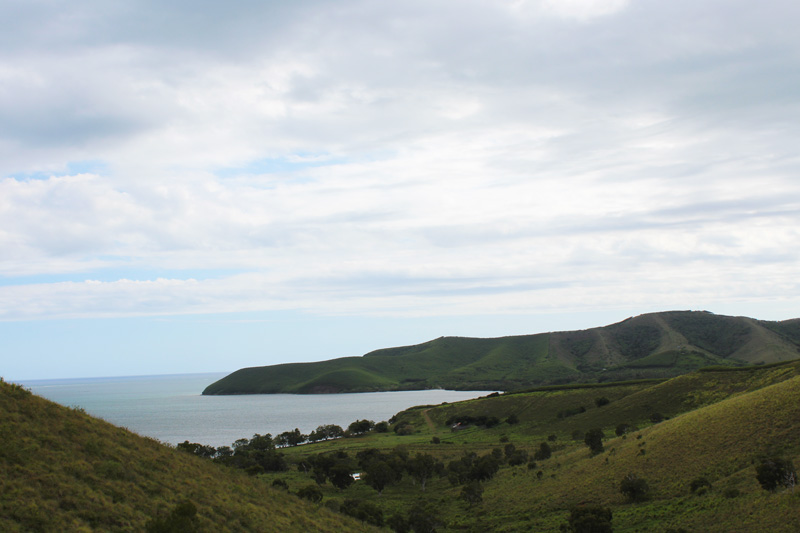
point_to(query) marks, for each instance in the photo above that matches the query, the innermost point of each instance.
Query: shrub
(363, 510)
(600, 402)
(589, 519)
(623, 429)
(182, 519)
(700, 485)
(594, 440)
(776, 472)
(280, 484)
(512, 419)
(634, 488)
(436, 440)
(310, 492)
(472, 493)
(544, 452)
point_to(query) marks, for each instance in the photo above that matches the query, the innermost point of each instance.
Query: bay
(172, 409)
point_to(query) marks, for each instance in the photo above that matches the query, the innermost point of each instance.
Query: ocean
(172, 408)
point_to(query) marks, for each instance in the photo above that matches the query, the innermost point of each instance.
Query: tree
(359, 427)
(340, 475)
(776, 472)
(378, 475)
(594, 440)
(589, 519)
(310, 492)
(290, 438)
(634, 488)
(600, 402)
(422, 518)
(423, 466)
(544, 452)
(472, 493)
(364, 511)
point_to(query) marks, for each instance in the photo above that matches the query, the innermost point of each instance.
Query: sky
(205, 186)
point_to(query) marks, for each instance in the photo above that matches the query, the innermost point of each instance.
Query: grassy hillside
(659, 345)
(61, 470)
(714, 426)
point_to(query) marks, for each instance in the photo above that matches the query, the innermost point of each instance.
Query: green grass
(719, 424)
(62, 470)
(655, 346)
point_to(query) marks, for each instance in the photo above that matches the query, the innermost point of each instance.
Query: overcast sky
(203, 186)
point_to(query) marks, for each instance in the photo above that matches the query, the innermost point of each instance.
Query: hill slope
(658, 345)
(62, 470)
(718, 425)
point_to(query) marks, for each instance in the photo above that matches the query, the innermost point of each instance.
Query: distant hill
(62, 470)
(657, 345)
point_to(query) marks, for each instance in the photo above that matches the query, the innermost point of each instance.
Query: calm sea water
(172, 409)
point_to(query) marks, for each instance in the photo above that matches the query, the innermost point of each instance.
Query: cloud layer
(414, 159)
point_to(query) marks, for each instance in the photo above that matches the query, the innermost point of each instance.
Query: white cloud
(415, 158)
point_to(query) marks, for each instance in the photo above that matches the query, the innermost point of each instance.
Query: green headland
(658, 345)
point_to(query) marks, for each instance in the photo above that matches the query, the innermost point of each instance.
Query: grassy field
(62, 470)
(659, 345)
(715, 425)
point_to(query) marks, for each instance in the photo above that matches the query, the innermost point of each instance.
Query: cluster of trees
(259, 454)
(421, 517)
(380, 469)
(256, 455)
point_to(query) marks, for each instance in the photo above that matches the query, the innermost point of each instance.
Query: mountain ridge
(653, 345)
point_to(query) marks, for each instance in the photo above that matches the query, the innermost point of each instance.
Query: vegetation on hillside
(62, 470)
(660, 345)
(707, 451)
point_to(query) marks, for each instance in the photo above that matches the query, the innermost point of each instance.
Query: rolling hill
(62, 470)
(699, 456)
(657, 345)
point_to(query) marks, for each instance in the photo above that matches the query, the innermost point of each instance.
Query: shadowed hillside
(659, 345)
(62, 470)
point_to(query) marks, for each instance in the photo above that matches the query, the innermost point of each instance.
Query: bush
(512, 419)
(623, 429)
(589, 519)
(600, 402)
(594, 440)
(310, 492)
(472, 493)
(182, 519)
(634, 488)
(700, 486)
(544, 452)
(776, 472)
(363, 510)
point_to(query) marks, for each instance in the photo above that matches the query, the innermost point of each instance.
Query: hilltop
(62, 470)
(657, 345)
